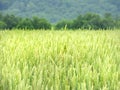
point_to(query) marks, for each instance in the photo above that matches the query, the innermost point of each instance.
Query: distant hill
(55, 10)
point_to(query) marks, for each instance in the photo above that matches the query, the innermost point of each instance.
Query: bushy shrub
(25, 24)
(63, 25)
(11, 21)
(2, 25)
(40, 23)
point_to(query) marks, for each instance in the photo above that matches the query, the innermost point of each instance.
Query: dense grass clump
(60, 60)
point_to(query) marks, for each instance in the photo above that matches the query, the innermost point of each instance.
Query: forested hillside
(55, 10)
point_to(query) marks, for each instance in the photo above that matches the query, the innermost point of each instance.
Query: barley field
(60, 60)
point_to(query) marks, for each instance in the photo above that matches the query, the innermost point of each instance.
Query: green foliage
(2, 25)
(40, 23)
(1, 16)
(11, 21)
(117, 23)
(87, 21)
(63, 25)
(96, 22)
(60, 60)
(55, 10)
(90, 21)
(25, 24)
(36, 22)
(108, 21)
(78, 23)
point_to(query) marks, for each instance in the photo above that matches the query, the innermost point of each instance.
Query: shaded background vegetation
(59, 14)
(56, 10)
(86, 21)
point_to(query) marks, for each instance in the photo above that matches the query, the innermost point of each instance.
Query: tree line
(91, 21)
(86, 21)
(55, 10)
(12, 22)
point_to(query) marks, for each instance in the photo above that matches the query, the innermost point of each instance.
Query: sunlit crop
(60, 60)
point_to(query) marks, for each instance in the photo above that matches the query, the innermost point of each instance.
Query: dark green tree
(78, 22)
(1, 16)
(2, 25)
(117, 23)
(89, 21)
(11, 21)
(63, 25)
(40, 23)
(25, 24)
(95, 22)
(108, 22)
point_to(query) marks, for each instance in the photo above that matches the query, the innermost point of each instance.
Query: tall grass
(60, 60)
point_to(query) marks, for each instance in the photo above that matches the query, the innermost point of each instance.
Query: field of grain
(60, 60)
